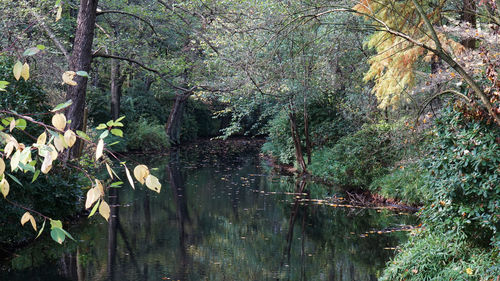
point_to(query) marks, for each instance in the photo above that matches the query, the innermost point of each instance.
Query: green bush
(356, 160)
(405, 183)
(460, 239)
(439, 256)
(146, 135)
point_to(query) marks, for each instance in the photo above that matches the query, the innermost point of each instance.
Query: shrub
(405, 183)
(356, 160)
(146, 136)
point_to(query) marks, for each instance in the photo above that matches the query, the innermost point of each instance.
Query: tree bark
(116, 88)
(469, 16)
(81, 58)
(173, 127)
(299, 156)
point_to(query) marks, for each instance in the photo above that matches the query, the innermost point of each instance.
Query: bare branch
(52, 36)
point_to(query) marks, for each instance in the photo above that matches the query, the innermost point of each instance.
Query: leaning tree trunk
(81, 58)
(173, 126)
(299, 156)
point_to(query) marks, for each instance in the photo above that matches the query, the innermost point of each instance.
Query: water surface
(220, 216)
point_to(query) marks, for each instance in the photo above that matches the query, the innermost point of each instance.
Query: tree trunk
(469, 16)
(299, 156)
(173, 126)
(81, 58)
(116, 88)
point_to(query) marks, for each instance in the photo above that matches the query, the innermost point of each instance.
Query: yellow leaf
(59, 142)
(47, 163)
(28, 217)
(18, 67)
(98, 151)
(92, 196)
(33, 222)
(59, 121)
(9, 147)
(14, 162)
(25, 72)
(4, 187)
(59, 12)
(53, 152)
(110, 171)
(2, 166)
(469, 271)
(141, 172)
(153, 183)
(42, 138)
(99, 187)
(68, 76)
(104, 210)
(12, 125)
(25, 218)
(70, 138)
(129, 177)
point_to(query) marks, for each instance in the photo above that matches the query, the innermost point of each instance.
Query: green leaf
(3, 85)
(58, 235)
(31, 51)
(82, 135)
(82, 73)
(104, 134)
(117, 132)
(113, 143)
(110, 123)
(35, 176)
(15, 179)
(26, 167)
(41, 229)
(21, 124)
(55, 224)
(62, 105)
(94, 209)
(68, 235)
(120, 119)
(58, 3)
(102, 126)
(41, 47)
(116, 184)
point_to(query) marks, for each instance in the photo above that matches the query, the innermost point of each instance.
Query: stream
(221, 215)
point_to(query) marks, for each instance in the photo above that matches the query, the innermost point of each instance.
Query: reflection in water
(216, 220)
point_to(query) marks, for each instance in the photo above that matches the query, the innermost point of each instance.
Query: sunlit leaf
(153, 183)
(62, 106)
(59, 13)
(59, 121)
(4, 187)
(68, 76)
(35, 176)
(117, 132)
(9, 147)
(82, 135)
(94, 209)
(41, 47)
(140, 173)
(69, 138)
(41, 230)
(14, 162)
(18, 68)
(12, 125)
(100, 147)
(28, 217)
(116, 184)
(42, 138)
(130, 180)
(104, 134)
(25, 72)
(3, 85)
(31, 51)
(99, 187)
(92, 196)
(21, 124)
(47, 163)
(59, 143)
(55, 224)
(104, 210)
(2, 166)
(110, 171)
(101, 126)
